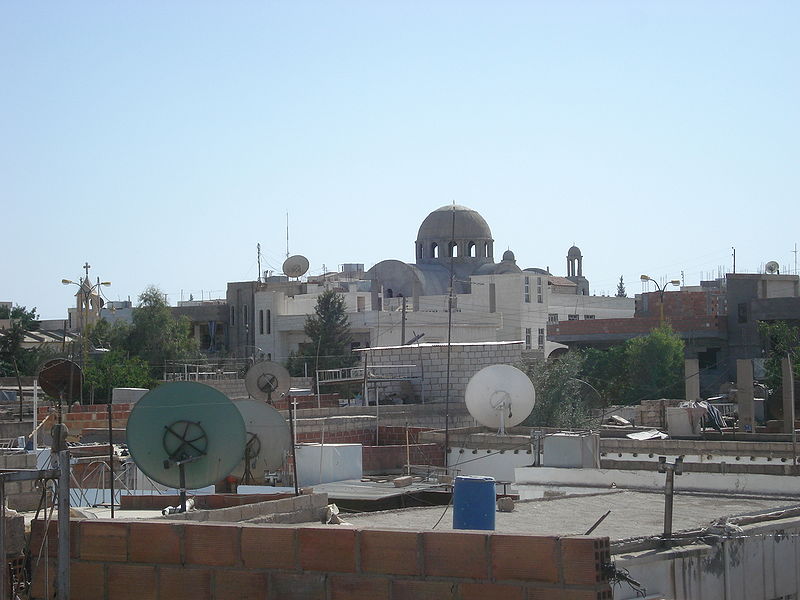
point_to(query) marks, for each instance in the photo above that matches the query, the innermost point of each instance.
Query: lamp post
(661, 289)
(86, 291)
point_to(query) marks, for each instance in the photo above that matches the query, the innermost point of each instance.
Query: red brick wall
(89, 415)
(390, 459)
(116, 560)
(325, 401)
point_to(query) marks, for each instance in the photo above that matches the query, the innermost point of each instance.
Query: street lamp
(661, 290)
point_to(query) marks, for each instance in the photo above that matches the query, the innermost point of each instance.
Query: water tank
(474, 503)
(575, 450)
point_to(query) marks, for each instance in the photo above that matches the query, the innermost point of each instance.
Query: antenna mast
(258, 250)
(287, 234)
(451, 251)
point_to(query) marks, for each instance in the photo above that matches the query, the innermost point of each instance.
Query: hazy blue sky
(162, 140)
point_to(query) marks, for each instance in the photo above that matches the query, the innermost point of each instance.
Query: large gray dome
(469, 224)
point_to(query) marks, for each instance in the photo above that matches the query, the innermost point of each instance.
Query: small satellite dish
(772, 267)
(186, 435)
(295, 266)
(268, 440)
(500, 396)
(61, 379)
(267, 381)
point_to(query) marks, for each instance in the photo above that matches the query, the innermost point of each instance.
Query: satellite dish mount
(184, 442)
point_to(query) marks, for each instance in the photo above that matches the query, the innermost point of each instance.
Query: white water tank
(572, 450)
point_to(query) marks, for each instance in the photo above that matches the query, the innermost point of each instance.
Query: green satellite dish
(186, 435)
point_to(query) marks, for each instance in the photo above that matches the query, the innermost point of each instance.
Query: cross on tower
(86, 267)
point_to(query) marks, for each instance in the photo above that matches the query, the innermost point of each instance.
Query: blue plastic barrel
(474, 503)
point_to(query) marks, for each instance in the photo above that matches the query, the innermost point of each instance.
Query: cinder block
(582, 558)
(358, 588)
(491, 591)
(130, 582)
(103, 541)
(414, 589)
(158, 543)
(563, 594)
(390, 552)
(327, 549)
(213, 545)
(240, 585)
(524, 558)
(86, 580)
(181, 583)
(300, 586)
(268, 547)
(451, 554)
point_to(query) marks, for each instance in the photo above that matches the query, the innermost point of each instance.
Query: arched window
(419, 250)
(471, 250)
(434, 250)
(485, 249)
(452, 249)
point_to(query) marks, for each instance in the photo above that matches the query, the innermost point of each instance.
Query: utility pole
(671, 470)
(403, 324)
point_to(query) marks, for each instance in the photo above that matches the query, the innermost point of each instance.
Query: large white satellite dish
(268, 440)
(500, 396)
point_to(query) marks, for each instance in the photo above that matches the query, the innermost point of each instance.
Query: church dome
(508, 255)
(573, 252)
(469, 224)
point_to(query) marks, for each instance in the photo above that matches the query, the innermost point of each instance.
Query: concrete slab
(633, 514)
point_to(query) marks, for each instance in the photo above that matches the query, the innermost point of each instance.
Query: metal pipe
(4, 571)
(62, 576)
(111, 455)
(668, 491)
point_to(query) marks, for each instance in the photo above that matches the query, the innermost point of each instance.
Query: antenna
(500, 396)
(187, 425)
(295, 266)
(772, 268)
(258, 251)
(287, 234)
(268, 441)
(267, 381)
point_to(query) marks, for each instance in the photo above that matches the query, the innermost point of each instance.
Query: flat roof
(634, 514)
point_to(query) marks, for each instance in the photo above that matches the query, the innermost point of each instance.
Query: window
(527, 338)
(492, 298)
(552, 318)
(742, 309)
(419, 251)
(471, 250)
(539, 295)
(233, 315)
(434, 250)
(360, 304)
(541, 339)
(527, 291)
(244, 315)
(452, 249)
(269, 322)
(573, 317)
(261, 322)
(588, 317)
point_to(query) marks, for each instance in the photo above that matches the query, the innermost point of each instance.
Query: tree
(111, 336)
(621, 293)
(114, 369)
(779, 339)
(559, 398)
(328, 330)
(28, 319)
(655, 366)
(156, 336)
(607, 371)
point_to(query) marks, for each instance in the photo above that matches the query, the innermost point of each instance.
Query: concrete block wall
(22, 495)
(651, 413)
(431, 362)
(202, 561)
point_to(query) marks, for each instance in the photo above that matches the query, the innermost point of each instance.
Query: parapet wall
(149, 559)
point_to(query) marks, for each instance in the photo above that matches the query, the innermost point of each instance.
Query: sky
(161, 141)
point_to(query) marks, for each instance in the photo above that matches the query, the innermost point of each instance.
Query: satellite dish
(500, 396)
(61, 379)
(295, 266)
(267, 381)
(268, 440)
(772, 267)
(186, 435)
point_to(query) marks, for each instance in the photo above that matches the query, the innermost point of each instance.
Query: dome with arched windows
(454, 231)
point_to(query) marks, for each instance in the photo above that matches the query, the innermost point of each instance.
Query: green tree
(655, 366)
(607, 371)
(621, 293)
(156, 336)
(28, 319)
(328, 330)
(560, 401)
(779, 338)
(112, 336)
(114, 369)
